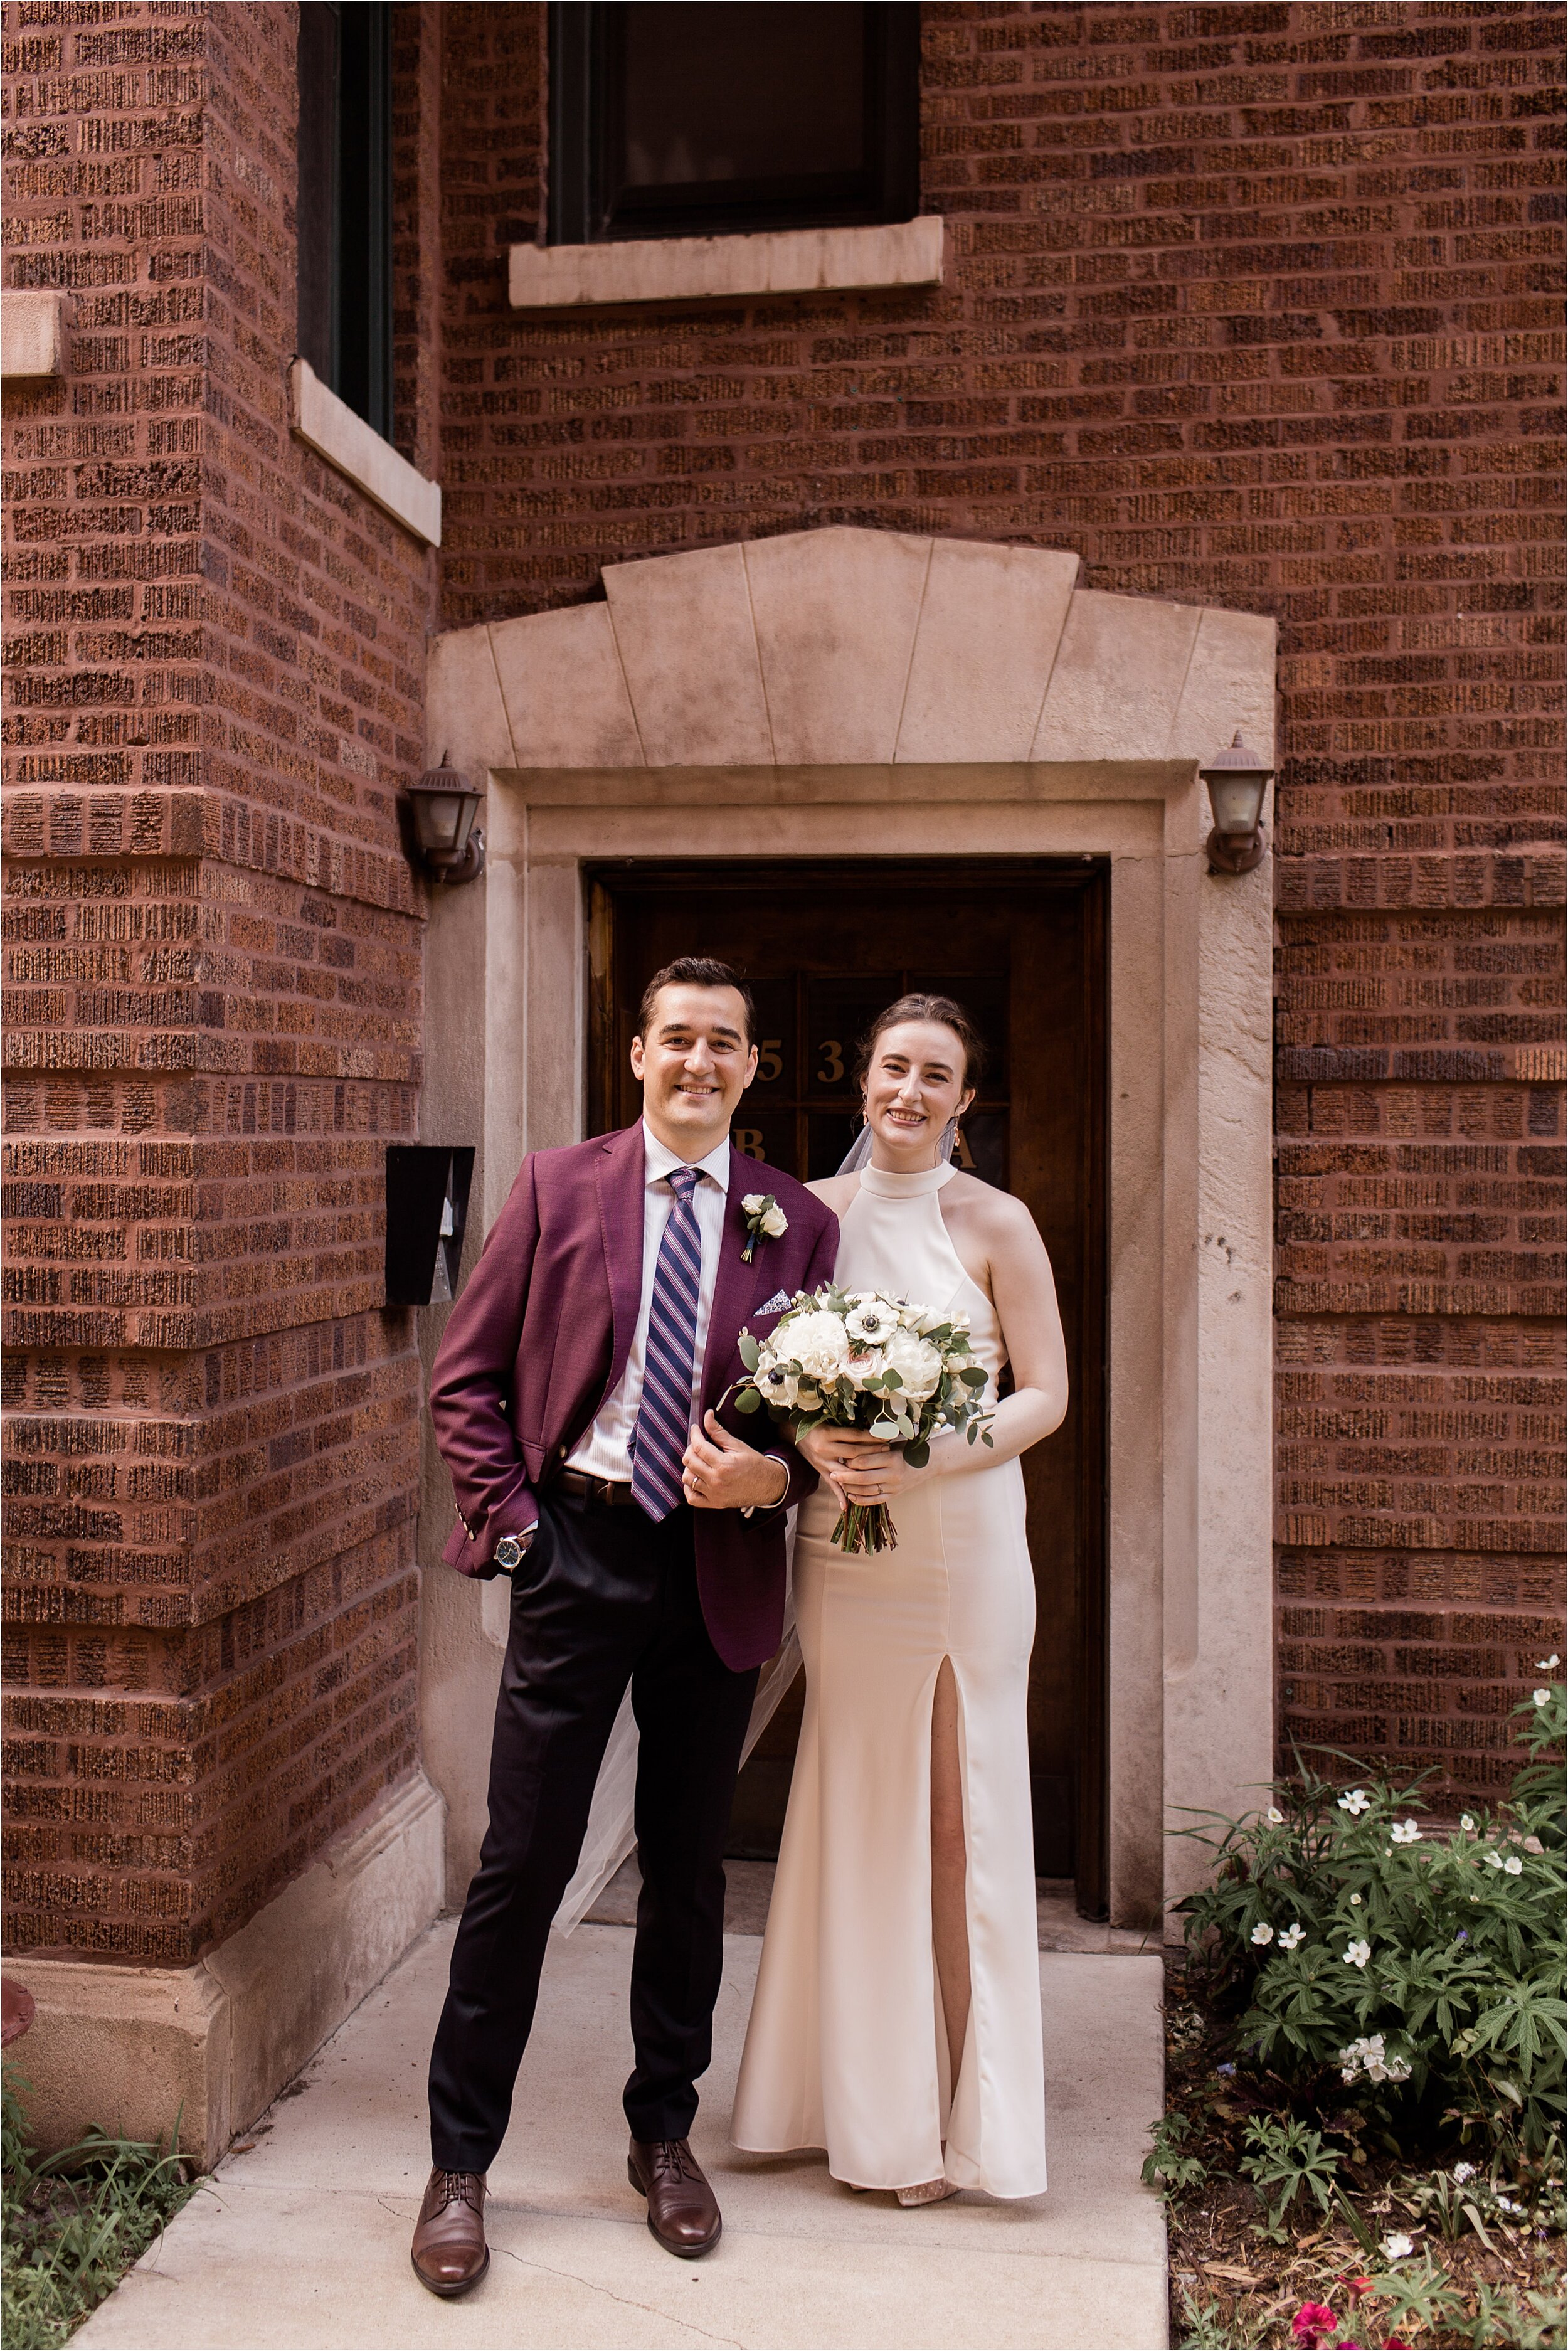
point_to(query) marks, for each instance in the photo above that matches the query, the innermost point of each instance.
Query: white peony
(918, 1363)
(818, 1342)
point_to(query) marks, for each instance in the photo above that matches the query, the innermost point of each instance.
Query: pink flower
(1312, 2320)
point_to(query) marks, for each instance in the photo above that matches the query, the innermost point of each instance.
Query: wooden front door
(1021, 944)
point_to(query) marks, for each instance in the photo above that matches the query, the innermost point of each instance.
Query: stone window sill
(32, 335)
(718, 269)
(329, 426)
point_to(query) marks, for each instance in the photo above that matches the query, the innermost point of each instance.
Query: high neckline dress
(847, 2046)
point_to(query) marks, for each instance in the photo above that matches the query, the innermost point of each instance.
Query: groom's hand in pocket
(720, 1472)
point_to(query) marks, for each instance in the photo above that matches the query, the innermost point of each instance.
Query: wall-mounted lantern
(427, 1207)
(1236, 779)
(444, 804)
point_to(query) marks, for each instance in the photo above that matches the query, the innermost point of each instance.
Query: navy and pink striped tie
(663, 1415)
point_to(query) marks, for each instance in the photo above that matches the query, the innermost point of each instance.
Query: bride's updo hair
(946, 1013)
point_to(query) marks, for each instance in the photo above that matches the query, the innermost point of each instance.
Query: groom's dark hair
(696, 971)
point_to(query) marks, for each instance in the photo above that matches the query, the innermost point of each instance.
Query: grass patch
(75, 2222)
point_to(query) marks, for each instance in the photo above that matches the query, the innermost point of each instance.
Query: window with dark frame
(344, 217)
(692, 118)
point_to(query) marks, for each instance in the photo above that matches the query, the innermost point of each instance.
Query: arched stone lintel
(850, 647)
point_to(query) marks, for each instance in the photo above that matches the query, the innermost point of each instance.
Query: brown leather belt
(606, 1491)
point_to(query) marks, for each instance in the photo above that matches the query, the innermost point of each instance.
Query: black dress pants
(602, 1597)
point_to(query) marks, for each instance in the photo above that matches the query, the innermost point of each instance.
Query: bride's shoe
(930, 2191)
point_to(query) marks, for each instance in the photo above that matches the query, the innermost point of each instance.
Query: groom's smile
(694, 1060)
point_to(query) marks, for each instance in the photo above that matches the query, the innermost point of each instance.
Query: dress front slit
(847, 2048)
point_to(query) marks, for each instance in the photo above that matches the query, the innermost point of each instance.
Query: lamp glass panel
(1237, 800)
(438, 816)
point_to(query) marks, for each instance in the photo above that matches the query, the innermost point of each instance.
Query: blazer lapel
(735, 1285)
(620, 1170)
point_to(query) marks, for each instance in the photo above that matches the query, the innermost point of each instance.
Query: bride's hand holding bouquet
(854, 1373)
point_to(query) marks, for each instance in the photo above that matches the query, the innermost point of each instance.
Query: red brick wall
(1258, 306)
(215, 654)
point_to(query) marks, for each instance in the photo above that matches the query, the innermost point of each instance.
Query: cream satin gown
(847, 2048)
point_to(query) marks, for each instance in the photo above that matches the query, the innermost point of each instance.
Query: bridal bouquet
(862, 1359)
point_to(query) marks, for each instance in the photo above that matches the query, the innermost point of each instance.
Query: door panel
(1021, 943)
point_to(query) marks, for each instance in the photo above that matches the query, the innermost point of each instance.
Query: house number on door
(831, 1051)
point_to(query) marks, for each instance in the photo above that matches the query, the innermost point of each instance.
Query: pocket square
(777, 1303)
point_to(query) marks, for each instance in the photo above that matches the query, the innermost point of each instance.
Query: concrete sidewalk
(302, 2239)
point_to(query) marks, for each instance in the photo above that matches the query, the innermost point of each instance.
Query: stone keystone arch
(871, 692)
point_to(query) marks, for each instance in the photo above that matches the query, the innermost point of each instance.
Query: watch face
(509, 1553)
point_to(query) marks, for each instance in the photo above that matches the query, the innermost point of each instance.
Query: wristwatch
(509, 1553)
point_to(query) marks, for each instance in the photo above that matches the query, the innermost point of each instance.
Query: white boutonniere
(765, 1221)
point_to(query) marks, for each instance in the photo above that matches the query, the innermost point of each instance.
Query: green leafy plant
(1282, 2160)
(75, 2222)
(1420, 1966)
(1166, 2167)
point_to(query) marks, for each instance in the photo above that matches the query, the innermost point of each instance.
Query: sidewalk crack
(651, 2309)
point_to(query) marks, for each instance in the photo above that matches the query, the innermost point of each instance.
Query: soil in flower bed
(1230, 2284)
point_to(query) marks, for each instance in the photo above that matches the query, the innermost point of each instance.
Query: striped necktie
(663, 1414)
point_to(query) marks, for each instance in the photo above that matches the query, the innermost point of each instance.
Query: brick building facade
(1253, 305)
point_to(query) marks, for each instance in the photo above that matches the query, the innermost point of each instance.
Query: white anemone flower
(1397, 2246)
(1357, 1953)
(1467, 1824)
(1355, 1802)
(1262, 1933)
(1406, 1833)
(1540, 1696)
(1548, 1664)
(1514, 1866)
(1294, 1934)
(871, 1322)
(1274, 1815)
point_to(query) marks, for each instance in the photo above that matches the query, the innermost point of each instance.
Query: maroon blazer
(540, 1336)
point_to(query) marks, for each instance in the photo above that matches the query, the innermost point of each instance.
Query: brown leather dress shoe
(683, 2210)
(449, 2252)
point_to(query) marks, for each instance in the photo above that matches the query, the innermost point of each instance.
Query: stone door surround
(873, 692)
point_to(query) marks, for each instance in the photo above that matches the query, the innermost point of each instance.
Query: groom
(573, 1400)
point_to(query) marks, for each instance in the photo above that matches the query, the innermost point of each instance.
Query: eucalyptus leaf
(749, 1350)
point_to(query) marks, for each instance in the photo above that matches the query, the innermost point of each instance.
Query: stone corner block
(200, 2052)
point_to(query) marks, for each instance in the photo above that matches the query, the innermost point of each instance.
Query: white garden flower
(1463, 2172)
(1397, 2246)
(775, 1223)
(1547, 1665)
(1468, 1824)
(1406, 1833)
(1494, 1859)
(1263, 1934)
(1355, 1802)
(819, 1343)
(1507, 2204)
(1514, 1866)
(1356, 1901)
(1295, 1933)
(1356, 1954)
(871, 1322)
(918, 1363)
(1541, 1695)
(1274, 1815)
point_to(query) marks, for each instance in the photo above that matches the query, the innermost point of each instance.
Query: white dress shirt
(606, 1450)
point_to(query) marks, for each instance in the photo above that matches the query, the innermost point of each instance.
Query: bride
(897, 2020)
